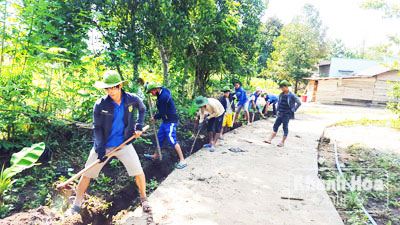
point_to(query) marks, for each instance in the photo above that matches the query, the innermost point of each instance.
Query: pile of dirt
(41, 215)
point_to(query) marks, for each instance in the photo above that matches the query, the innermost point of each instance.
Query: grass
(372, 165)
(392, 123)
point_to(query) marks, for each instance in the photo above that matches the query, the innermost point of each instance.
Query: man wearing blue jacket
(166, 113)
(243, 102)
(270, 99)
(113, 123)
(288, 104)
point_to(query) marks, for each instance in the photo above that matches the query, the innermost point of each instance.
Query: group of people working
(113, 123)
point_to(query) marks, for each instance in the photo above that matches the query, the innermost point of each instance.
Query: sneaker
(212, 149)
(221, 138)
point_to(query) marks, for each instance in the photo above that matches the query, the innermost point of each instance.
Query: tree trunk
(296, 86)
(2, 35)
(164, 54)
(201, 78)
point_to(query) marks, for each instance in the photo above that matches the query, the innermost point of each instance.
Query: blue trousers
(282, 118)
(167, 131)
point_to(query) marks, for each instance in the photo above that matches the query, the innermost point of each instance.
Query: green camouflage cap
(226, 88)
(152, 86)
(284, 83)
(111, 78)
(200, 101)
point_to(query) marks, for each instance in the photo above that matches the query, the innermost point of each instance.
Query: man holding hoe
(253, 101)
(215, 118)
(113, 123)
(167, 113)
(288, 104)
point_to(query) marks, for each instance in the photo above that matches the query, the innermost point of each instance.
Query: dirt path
(249, 187)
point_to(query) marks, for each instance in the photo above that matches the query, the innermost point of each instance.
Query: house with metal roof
(353, 82)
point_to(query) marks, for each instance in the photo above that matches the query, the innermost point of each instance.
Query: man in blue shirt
(253, 101)
(288, 104)
(113, 123)
(166, 113)
(270, 99)
(243, 102)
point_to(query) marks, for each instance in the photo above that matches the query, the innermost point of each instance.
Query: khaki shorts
(127, 155)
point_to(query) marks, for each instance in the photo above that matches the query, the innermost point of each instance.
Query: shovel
(154, 128)
(110, 154)
(198, 132)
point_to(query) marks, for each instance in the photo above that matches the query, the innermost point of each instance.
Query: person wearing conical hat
(288, 104)
(166, 113)
(113, 123)
(214, 119)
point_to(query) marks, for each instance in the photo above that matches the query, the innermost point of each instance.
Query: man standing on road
(288, 104)
(215, 118)
(243, 102)
(167, 113)
(113, 123)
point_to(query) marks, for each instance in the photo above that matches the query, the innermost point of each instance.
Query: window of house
(346, 72)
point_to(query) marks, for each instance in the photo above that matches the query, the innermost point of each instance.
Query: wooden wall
(327, 92)
(382, 87)
(368, 91)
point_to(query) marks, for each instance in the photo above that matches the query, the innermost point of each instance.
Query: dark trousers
(215, 124)
(283, 118)
(273, 108)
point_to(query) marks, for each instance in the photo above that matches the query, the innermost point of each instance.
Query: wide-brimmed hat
(200, 101)
(152, 86)
(111, 78)
(226, 88)
(284, 83)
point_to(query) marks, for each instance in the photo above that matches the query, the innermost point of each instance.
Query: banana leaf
(24, 159)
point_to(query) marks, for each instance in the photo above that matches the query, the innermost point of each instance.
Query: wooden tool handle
(110, 154)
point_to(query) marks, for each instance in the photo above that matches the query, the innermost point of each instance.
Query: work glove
(101, 156)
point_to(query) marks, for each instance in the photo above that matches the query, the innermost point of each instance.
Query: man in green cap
(215, 118)
(288, 104)
(166, 113)
(227, 102)
(113, 123)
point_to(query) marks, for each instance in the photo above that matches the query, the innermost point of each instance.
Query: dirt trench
(94, 211)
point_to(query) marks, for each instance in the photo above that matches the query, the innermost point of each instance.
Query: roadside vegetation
(377, 190)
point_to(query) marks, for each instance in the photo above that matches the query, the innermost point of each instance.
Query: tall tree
(167, 21)
(311, 18)
(294, 55)
(121, 25)
(269, 32)
(390, 8)
(224, 35)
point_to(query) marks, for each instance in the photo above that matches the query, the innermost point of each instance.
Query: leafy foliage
(20, 161)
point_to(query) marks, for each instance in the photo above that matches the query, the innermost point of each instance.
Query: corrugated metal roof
(324, 62)
(341, 67)
(373, 71)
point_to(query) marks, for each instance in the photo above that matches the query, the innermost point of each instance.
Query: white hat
(258, 89)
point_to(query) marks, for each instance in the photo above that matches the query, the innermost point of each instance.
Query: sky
(345, 19)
